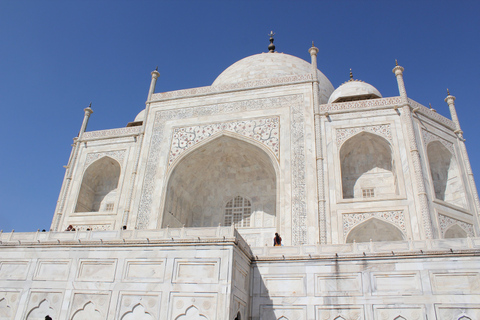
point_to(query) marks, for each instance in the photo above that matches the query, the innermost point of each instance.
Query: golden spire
(396, 62)
(448, 92)
(351, 75)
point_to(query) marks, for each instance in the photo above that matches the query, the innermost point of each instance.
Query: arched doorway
(225, 181)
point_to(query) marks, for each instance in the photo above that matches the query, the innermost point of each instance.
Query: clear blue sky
(57, 56)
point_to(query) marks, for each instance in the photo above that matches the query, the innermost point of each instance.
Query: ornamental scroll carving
(351, 220)
(294, 102)
(117, 155)
(382, 130)
(111, 133)
(232, 86)
(263, 130)
(429, 137)
(361, 104)
(447, 222)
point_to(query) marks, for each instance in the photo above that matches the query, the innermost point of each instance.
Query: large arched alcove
(99, 186)
(445, 174)
(367, 167)
(375, 230)
(225, 181)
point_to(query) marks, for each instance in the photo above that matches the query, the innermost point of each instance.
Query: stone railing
(167, 236)
(371, 249)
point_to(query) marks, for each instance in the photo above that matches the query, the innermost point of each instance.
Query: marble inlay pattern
(263, 130)
(117, 155)
(298, 152)
(361, 104)
(429, 137)
(382, 130)
(447, 222)
(351, 220)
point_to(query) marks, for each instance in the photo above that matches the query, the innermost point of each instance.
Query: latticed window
(109, 207)
(237, 212)
(368, 193)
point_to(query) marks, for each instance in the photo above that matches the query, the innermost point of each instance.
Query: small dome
(354, 90)
(271, 65)
(140, 116)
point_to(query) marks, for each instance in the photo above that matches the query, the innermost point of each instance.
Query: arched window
(367, 167)
(445, 174)
(375, 230)
(237, 212)
(99, 186)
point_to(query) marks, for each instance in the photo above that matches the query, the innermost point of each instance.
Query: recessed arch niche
(98, 191)
(376, 230)
(445, 174)
(206, 179)
(455, 231)
(367, 167)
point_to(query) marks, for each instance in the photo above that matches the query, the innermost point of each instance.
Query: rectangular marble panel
(144, 271)
(13, 270)
(96, 270)
(339, 312)
(274, 312)
(455, 282)
(344, 284)
(52, 270)
(196, 271)
(283, 285)
(382, 312)
(407, 283)
(8, 303)
(457, 311)
(240, 278)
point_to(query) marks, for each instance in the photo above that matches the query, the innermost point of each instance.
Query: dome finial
(271, 46)
(351, 75)
(448, 92)
(396, 62)
(313, 44)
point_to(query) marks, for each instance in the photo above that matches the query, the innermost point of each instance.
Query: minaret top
(271, 46)
(351, 75)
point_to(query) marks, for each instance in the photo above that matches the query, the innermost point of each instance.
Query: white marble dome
(140, 116)
(354, 90)
(271, 65)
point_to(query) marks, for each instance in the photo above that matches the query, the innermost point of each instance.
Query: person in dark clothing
(48, 318)
(277, 240)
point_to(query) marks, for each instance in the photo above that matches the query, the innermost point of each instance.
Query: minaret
(69, 171)
(138, 149)
(418, 180)
(450, 100)
(318, 149)
(88, 111)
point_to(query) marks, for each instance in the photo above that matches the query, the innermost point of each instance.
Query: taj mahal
(173, 216)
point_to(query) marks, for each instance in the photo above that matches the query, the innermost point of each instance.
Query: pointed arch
(445, 173)
(206, 177)
(238, 317)
(464, 318)
(40, 311)
(399, 318)
(455, 231)
(191, 313)
(376, 230)
(99, 186)
(367, 167)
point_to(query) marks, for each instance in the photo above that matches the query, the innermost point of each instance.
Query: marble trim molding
(446, 222)
(112, 133)
(264, 130)
(351, 220)
(299, 205)
(383, 130)
(361, 104)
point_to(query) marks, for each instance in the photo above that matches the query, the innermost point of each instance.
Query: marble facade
(174, 214)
